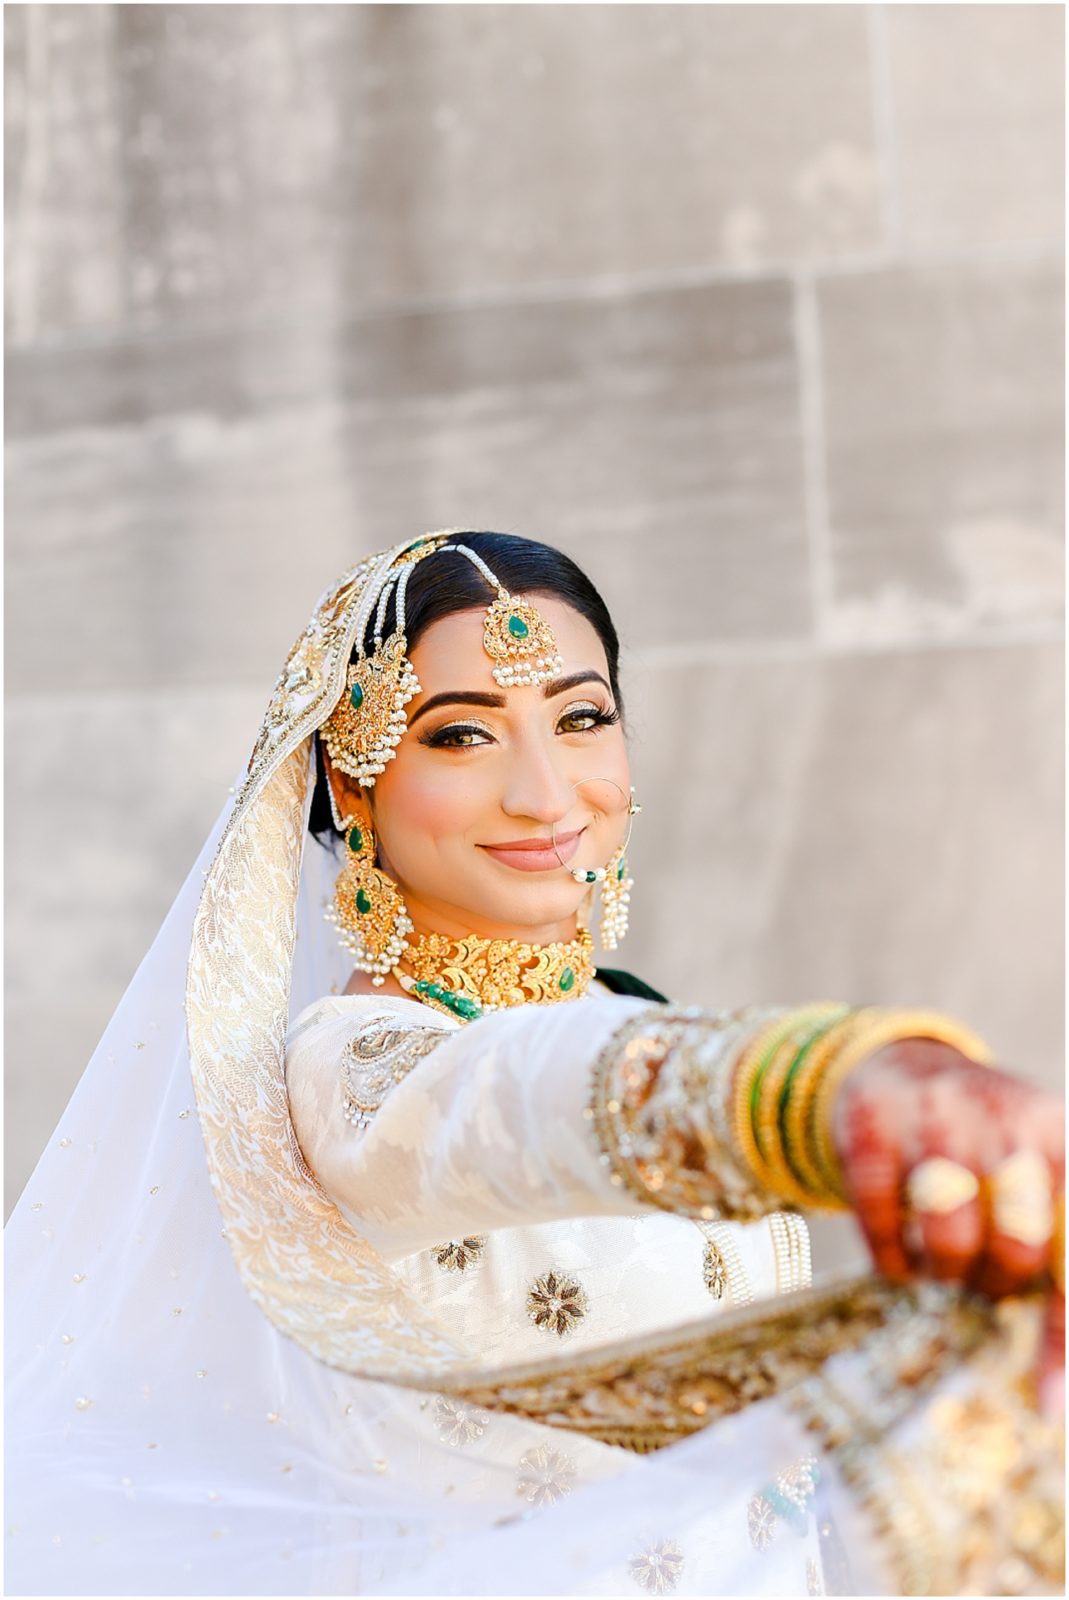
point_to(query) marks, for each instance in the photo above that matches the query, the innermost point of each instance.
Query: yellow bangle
(804, 1098)
(746, 1082)
(1057, 1244)
(739, 1082)
(768, 1090)
(893, 1025)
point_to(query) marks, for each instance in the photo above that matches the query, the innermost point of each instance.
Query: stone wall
(755, 310)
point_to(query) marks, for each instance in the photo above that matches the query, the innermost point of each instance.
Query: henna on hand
(918, 1098)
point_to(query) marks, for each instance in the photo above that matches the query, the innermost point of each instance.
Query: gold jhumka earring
(369, 911)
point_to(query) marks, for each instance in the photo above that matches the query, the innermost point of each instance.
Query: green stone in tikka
(518, 628)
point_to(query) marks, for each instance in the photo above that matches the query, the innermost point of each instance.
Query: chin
(532, 905)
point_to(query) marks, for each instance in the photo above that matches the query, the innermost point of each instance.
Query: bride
(486, 1271)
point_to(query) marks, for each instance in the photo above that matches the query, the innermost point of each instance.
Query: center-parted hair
(446, 582)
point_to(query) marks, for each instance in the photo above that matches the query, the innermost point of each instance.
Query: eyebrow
(477, 697)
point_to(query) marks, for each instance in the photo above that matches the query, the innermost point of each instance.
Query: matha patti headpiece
(363, 731)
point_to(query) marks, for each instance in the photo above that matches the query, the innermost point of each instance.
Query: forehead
(450, 654)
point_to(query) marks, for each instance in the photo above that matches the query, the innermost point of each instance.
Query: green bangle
(787, 1144)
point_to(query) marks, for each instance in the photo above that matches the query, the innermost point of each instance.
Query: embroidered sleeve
(659, 1108)
(376, 1059)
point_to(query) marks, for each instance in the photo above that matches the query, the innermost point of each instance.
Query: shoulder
(343, 1014)
(344, 1055)
(620, 982)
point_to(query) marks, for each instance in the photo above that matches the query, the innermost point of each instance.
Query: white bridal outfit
(261, 1343)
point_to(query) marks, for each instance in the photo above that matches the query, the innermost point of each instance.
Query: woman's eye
(469, 736)
(456, 737)
(584, 719)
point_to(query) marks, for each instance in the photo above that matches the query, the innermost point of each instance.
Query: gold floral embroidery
(457, 1255)
(813, 1582)
(714, 1271)
(457, 1423)
(658, 1569)
(557, 1303)
(377, 1058)
(722, 1261)
(545, 1476)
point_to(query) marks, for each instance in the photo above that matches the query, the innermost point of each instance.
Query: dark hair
(437, 589)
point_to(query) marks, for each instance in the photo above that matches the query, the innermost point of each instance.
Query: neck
(453, 923)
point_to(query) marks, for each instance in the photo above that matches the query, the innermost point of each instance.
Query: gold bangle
(796, 1100)
(768, 1089)
(824, 1052)
(739, 1083)
(893, 1025)
(746, 1084)
(1057, 1244)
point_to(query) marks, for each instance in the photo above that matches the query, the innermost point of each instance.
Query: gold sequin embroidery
(376, 1059)
(557, 1303)
(658, 1096)
(457, 1255)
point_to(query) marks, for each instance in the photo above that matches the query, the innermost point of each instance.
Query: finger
(951, 1242)
(1019, 1196)
(986, 1277)
(875, 1185)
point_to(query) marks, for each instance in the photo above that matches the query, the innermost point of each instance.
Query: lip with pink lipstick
(535, 855)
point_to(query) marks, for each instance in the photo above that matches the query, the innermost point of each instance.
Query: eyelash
(440, 739)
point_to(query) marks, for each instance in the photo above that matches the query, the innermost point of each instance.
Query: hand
(919, 1098)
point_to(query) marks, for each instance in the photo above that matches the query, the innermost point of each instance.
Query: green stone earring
(368, 911)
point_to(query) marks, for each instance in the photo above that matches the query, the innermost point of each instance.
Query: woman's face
(481, 767)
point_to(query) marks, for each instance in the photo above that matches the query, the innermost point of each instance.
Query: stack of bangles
(782, 1093)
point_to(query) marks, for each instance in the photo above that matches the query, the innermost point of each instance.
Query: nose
(537, 787)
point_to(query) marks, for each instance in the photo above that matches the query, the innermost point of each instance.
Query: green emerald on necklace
(567, 979)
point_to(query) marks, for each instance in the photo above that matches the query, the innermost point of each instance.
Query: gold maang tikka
(363, 731)
(516, 636)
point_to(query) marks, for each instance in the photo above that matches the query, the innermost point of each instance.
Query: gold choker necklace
(469, 976)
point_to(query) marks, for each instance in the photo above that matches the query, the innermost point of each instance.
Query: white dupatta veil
(215, 1386)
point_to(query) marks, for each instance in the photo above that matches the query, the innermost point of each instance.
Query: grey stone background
(755, 310)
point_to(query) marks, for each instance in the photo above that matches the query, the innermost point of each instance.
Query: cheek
(421, 800)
